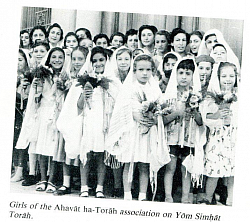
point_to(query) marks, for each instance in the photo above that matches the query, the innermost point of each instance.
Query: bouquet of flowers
(224, 99)
(150, 110)
(91, 81)
(192, 102)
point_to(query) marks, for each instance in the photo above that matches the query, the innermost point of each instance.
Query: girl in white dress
(95, 106)
(44, 105)
(127, 140)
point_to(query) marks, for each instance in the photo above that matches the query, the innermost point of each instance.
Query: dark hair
(186, 64)
(120, 51)
(21, 42)
(53, 26)
(25, 58)
(150, 27)
(176, 31)
(130, 32)
(218, 44)
(43, 43)
(207, 36)
(227, 64)
(144, 58)
(87, 32)
(198, 33)
(167, 57)
(47, 63)
(84, 51)
(165, 33)
(96, 50)
(99, 36)
(70, 34)
(42, 28)
(117, 34)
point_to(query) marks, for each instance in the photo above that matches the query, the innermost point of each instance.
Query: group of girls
(143, 100)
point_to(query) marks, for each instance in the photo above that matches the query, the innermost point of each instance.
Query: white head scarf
(171, 90)
(231, 57)
(113, 68)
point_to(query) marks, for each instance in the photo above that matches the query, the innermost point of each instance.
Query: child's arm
(179, 112)
(170, 117)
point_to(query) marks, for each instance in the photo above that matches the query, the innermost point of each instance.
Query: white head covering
(231, 57)
(113, 68)
(171, 90)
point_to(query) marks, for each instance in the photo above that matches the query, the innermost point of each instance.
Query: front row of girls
(112, 119)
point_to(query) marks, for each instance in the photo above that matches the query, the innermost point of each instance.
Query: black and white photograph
(126, 114)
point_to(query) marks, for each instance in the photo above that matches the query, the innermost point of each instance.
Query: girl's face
(205, 70)
(143, 71)
(219, 54)
(132, 42)
(161, 43)
(25, 39)
(38, 35)
(21, 63)
(81, 34)
(227, 78)
(71, 42)
(78, 60)
(195, 42)
(54, 35)
(147, 37)
(87, 43)
(57, 60)
(39, 52)
(102, 42)
(169, 64)
(117, 41)
(184, 77)
(123, 61)
(179, 43)
(210, 42)
(99, 62)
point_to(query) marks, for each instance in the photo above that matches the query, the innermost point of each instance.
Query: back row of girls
(146, 100)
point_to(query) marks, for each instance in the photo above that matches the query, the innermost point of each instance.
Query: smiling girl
(39, 131)
(221, 117)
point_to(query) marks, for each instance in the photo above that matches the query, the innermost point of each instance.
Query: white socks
(99, 188)
(18, 175)
(66, 181)
(84, 188)
(142, 196)
(127, 195)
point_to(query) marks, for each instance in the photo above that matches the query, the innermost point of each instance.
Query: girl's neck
(182, 88)
(182, 54)
(150, 48)
(122, 75)
(161, 53)
(227, 90)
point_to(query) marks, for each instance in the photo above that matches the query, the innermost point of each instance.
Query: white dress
(137, 146)
(45, 138)
(96, 115)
